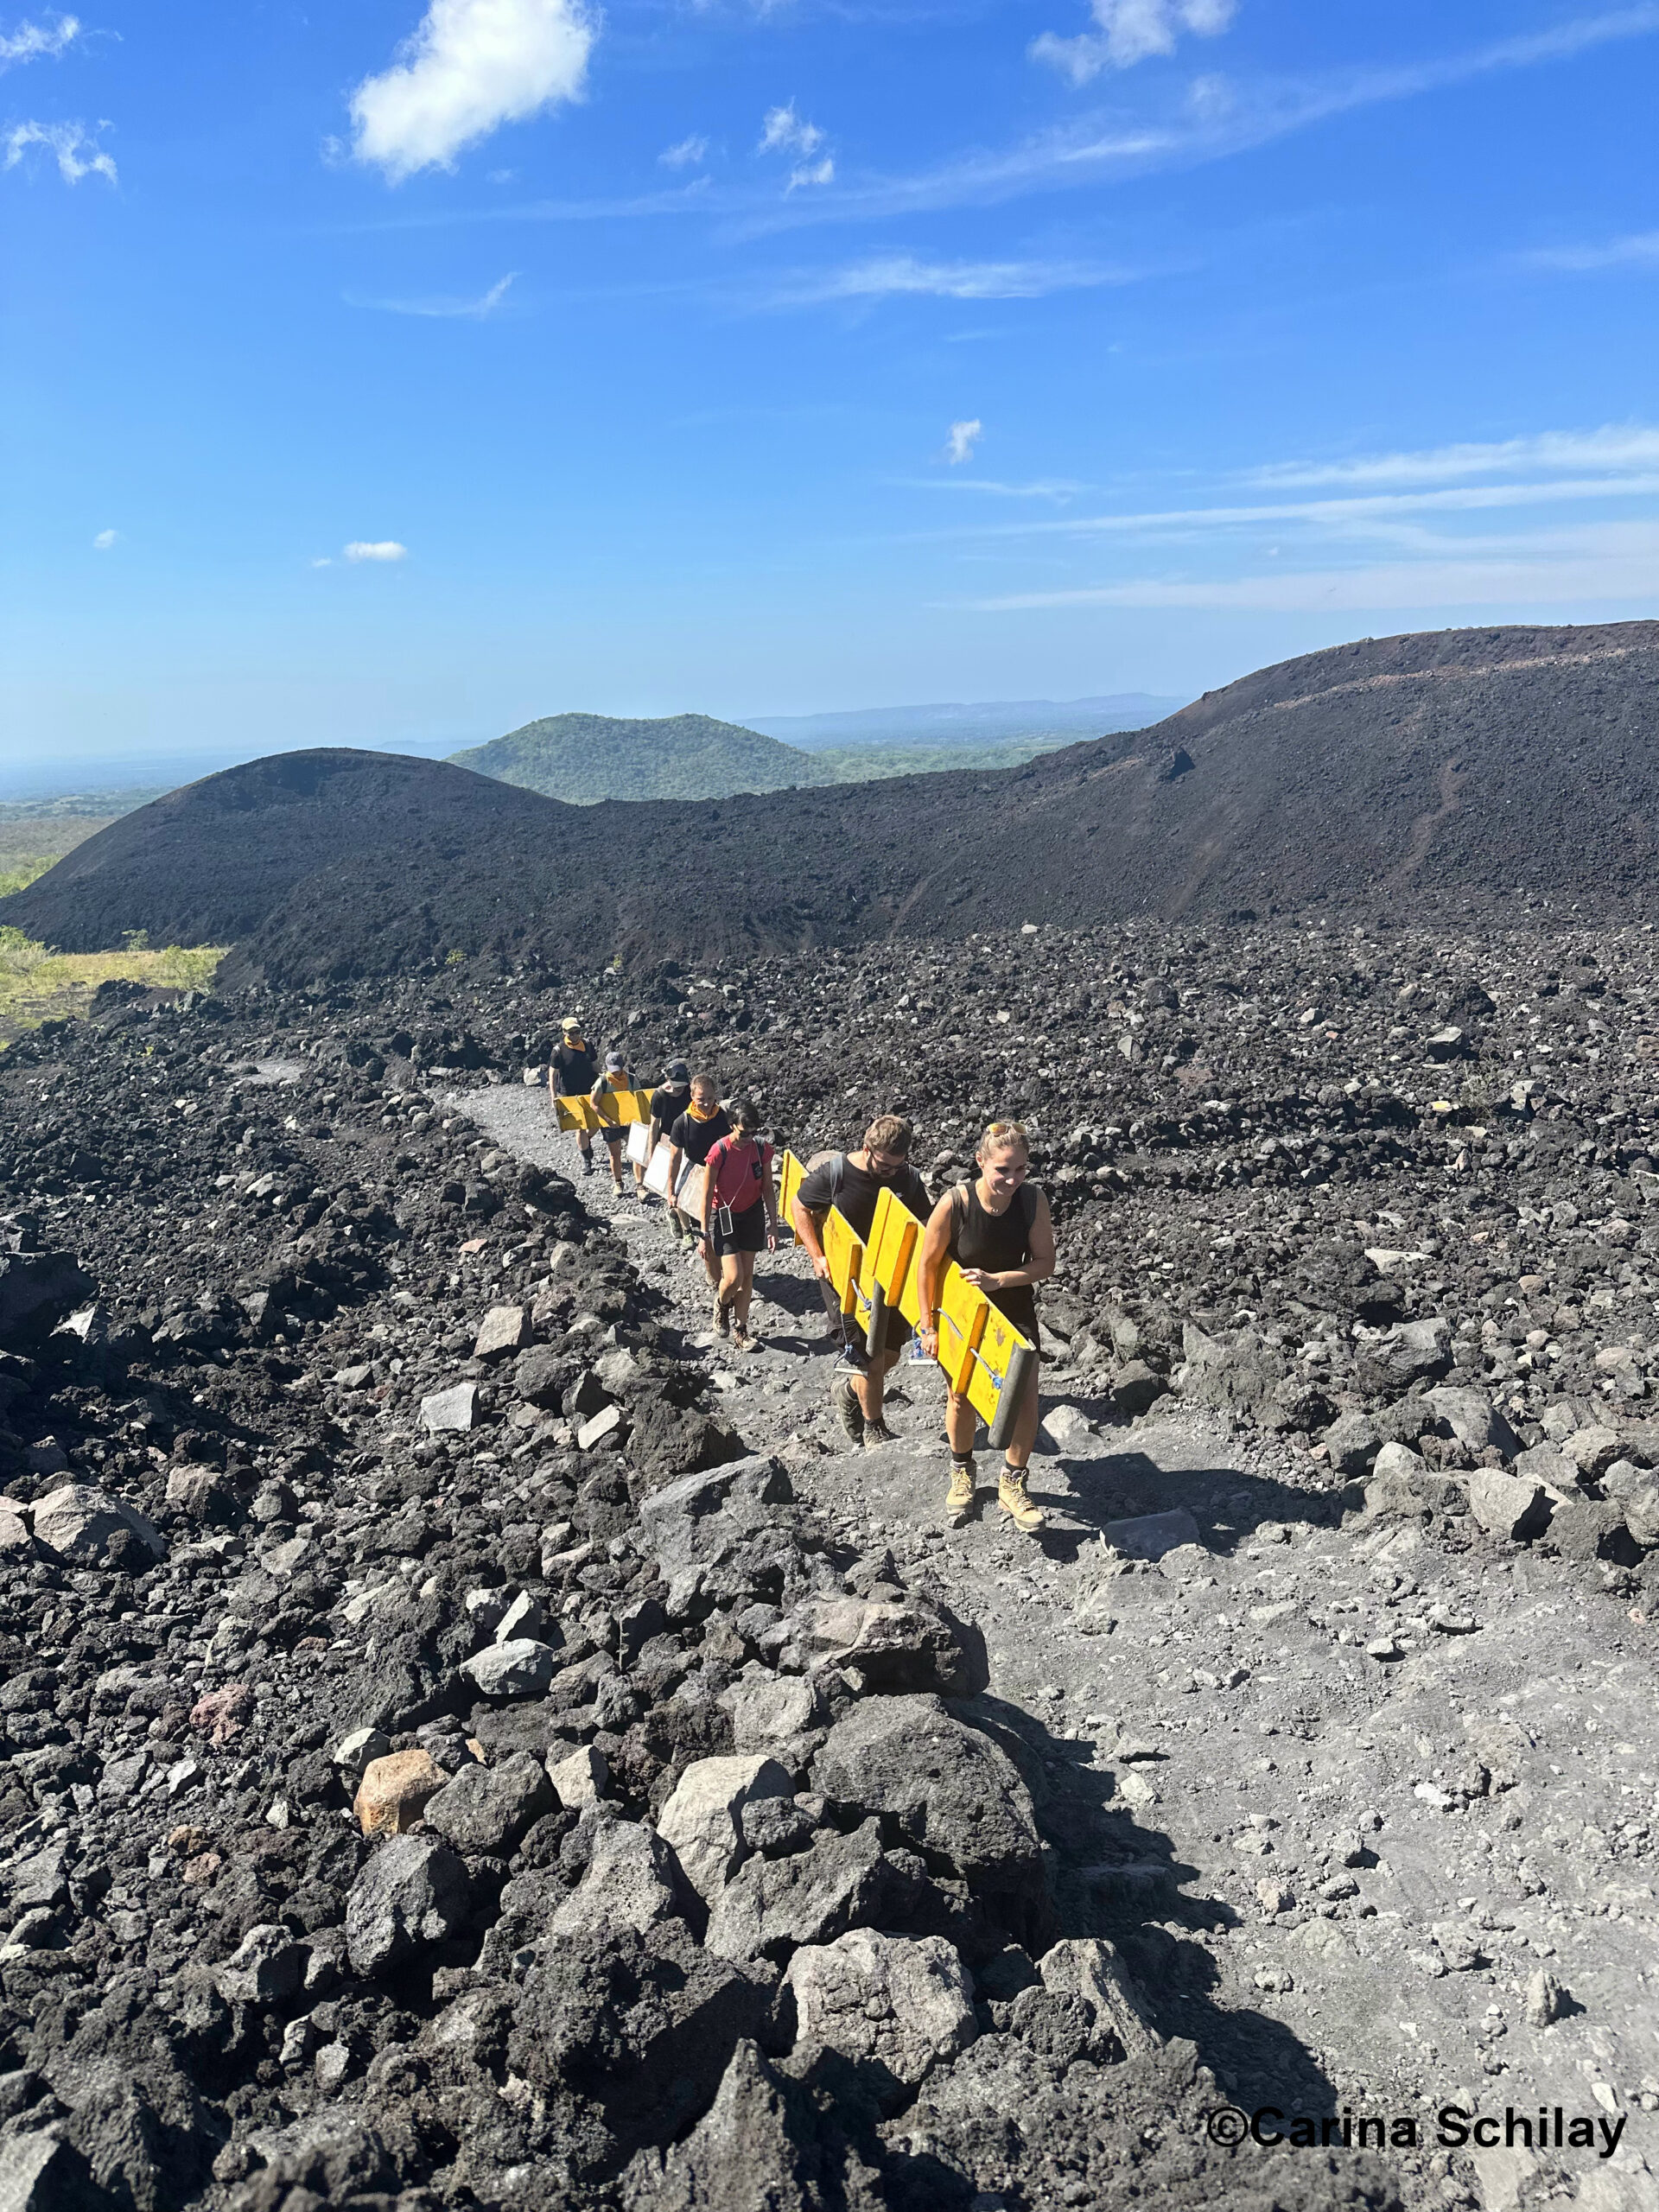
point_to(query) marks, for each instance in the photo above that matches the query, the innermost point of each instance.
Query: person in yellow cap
(575, 1070)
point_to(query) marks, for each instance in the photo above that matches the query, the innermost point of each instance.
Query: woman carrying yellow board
(998, 1230)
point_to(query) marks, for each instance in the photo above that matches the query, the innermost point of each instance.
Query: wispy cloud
(105, 539)
(689, 154)
(1605, 563)
(443, 309)
(1639, 250)
(380, 549)
(784, 131)
(71, 146)
(1131, 31)
(960, 441)
(1614, 447)
(38, 42)
(1226, 118)
(889, 276)
(1056, 488)
(470, 66)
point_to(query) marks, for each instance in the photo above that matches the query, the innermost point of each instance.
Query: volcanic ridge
(1411, 774)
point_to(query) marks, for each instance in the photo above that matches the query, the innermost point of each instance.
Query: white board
(638, 1143)
(657, 1170)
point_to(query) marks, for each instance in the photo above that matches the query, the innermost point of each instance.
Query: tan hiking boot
(959, 1499)
(1016, 1500)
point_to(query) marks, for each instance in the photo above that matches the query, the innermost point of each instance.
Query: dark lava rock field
(465, 1746)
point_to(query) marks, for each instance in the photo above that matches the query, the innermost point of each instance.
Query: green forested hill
(585, 758)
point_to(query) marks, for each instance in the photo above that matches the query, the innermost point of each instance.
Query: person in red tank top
(739, 1214)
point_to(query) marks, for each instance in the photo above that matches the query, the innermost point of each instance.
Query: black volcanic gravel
(1287, 1194)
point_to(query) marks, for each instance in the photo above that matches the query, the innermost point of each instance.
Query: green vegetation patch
(37, 984)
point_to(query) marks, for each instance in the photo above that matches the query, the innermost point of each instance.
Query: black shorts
(746, 1234)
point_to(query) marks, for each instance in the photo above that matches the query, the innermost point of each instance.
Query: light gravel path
(1338, 1873)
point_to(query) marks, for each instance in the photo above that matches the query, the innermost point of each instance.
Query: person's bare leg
(1018, 1451)
(726, 1281)
(871, 1386)
(960, 1423)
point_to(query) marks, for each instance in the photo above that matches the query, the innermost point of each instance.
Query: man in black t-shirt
(573, 1073)
(693, 1136)
(667, 1102)
(852, 1183)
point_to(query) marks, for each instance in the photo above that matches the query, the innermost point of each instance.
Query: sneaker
(1016, 1500)
(959, 1499)
(722, 1319)
(742, 1341)
(877, 1431)
(848, 1412)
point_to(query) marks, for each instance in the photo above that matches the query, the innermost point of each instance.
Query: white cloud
(38, 42)
(889, 276)
(961, 440)
(470, 66)
(785, 132)
(445, 309)
(689, 154)
(1131, 31)
(822, 172)
(1615, 448)
(1638, 250)
(1606, 563)
(323, 561)
(71, 146)
(105, 539)
(383, 549)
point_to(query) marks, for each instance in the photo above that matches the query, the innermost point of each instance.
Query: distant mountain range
(985, 722)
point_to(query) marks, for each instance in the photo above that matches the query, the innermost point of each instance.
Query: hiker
(667, 1102)
(853, 1182)
(692, 1138)
(740, 1213)
(574, 1069)
(616, 1078)
(997, 1229)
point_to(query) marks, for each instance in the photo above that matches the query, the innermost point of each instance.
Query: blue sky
(380, 375)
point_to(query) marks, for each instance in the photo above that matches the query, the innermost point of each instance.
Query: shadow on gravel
(1228, 1504)
(1114, 1878)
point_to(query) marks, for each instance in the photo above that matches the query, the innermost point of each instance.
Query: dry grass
(37, 984)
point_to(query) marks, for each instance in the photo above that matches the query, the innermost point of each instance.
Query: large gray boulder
(1512, 1506)
(629, 1883)
(904, 2003)
(76, 1524)
(885, 1644)
(521, 1668)
(487, 1808)
(689, 1522)
(702, 1820)
(1089, 1969)
(952, 1793)
(1473, 1418)
(772, 1906)
(1411, 1351)
(412, 1893)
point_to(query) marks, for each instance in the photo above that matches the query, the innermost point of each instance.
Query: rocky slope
(1414, 775)
(741, 1832)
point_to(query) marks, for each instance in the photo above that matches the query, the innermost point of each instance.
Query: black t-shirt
(575, 1068)
(667, 1103)
(696, 1140)
(860, 1191)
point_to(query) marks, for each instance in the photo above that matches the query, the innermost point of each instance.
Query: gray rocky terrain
(469, 1741)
